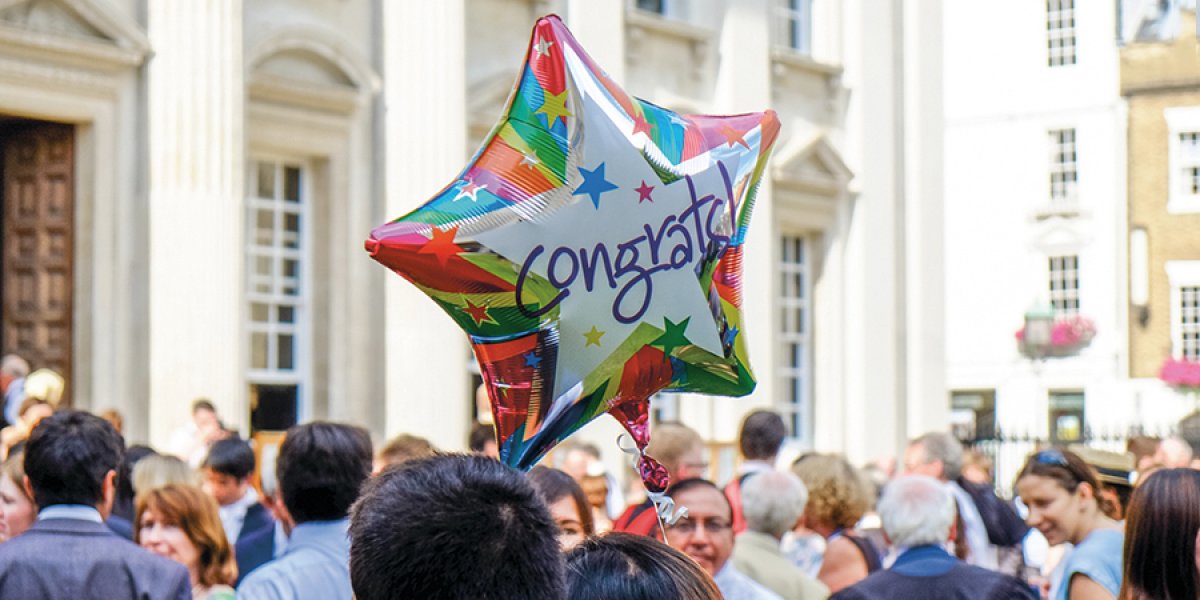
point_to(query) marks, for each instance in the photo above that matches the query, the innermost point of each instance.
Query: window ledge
(785, 57)
(642, 21)
(1067, 209)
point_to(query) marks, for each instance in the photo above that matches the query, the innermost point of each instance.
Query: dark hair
(203, 404)
(623, 566)
(321, 468)
(680, 487)
(480, 435)
(68, 456)
(762, 435)
(231, 456)
(554, 485)
(123, 504)
(453, 526)
(1160, 537)
(1068, 471)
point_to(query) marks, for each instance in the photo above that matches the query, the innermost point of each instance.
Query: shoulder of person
(842, 548)
(263, 583)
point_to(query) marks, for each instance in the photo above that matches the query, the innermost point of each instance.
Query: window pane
(258, 312)
(258, 350)
(266, 179)
(285, 352)
(287, 314)
(262, 266)
(291, 184)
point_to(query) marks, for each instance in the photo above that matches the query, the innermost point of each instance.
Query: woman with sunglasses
(1061, 492)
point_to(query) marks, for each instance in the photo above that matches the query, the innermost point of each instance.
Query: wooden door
(38, 234)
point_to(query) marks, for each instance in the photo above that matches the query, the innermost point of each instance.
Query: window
(1183, 159)
(1064, 285)
(1066, 417)
(1060, 32)
(1184, 279)
(794, 336)
(654, 6)
(973, 415)
(795, 25)
(1189, 322)
(276, 259)
(1063, 174)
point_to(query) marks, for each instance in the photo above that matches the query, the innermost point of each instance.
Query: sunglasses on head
(1053, 457)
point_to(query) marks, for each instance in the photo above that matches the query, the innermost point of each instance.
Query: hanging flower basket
(1181, 374)
(1067, 338)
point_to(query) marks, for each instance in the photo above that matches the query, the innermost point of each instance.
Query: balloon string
(664, 505)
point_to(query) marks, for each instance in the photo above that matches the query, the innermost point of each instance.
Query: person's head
(1160, 536)
(483, 441)
(567, 503)
(761, 436)
(1173, 453)
(580, 459)
(45, 384)
(72, 457)
(321, 468)
(1143, 449)
(123, 505)
(227, 470)
(181, 523)
(114, 417)
(837, 495)
(937, 454)
(15, 502)
(917, 510)
(1059, 490)
(680, 449)
(977, 467)
(706, 533)
(401, 448)
(14, 366)
(157, 470)
(204, 414)
(772, 502)
(419, 523)
(33, 410)
(623, 566)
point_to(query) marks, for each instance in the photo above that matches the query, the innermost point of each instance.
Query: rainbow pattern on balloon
(591, 250)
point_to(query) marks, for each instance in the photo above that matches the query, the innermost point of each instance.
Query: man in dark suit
(71, 462)
(248, 524)
(918, 519)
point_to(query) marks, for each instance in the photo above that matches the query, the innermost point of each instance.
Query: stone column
(196, 122)
(427, 387)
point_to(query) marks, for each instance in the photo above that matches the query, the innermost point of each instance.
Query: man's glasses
(687, 526)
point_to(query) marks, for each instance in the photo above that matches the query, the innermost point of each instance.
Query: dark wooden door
(38, 239)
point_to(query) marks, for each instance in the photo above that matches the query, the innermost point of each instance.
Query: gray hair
(917, 510)
(14, 365)
(939, 445)
(772, 502)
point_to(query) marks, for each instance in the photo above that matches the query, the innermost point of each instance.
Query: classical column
(427, 389)
(196, 122)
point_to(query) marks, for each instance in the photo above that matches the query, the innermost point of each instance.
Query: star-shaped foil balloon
(592, 252)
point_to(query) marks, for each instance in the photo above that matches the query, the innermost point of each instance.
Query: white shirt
(982, 552)
(78, 512)
(734, 585)
(233, 516)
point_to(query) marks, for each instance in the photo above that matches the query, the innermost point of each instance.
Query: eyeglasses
(687, 526)
(1053, 457)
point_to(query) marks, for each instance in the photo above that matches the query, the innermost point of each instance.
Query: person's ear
(28, 488)
(108, 493)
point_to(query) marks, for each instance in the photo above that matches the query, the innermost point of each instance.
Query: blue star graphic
(730, 335)
(594, 184)
(678, 370)
(532, 361)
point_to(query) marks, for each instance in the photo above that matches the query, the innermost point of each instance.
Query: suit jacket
(757, 555)
(83, 560)
(930, 573)
(256, 542)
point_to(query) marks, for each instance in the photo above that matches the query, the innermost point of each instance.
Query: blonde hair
(838, 495)
(156, 471)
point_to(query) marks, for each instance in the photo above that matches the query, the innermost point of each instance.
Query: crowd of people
(84, 516)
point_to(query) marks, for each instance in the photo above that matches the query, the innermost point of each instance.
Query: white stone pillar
(744, 85)
(197, 157)
(427, 386)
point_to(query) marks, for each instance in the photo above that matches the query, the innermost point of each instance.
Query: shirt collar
(78, 512)
(320, 532)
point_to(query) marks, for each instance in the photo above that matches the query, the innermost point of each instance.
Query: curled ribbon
(654, 476)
